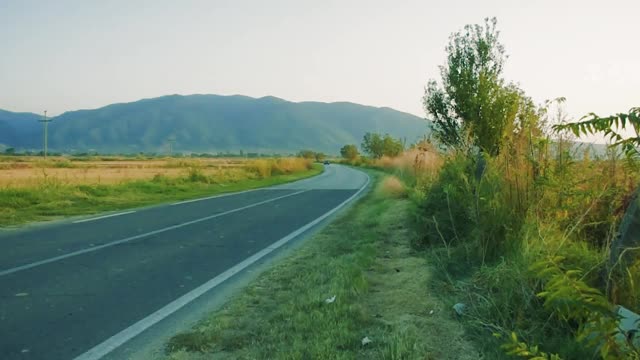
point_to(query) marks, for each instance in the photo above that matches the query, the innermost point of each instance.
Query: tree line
(375, 145)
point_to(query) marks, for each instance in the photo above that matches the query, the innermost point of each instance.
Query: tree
(473, 106)
(307, 154)
(373, 144)
(349, 152)
(10, 151)
(377, 145)
(392, 147)
(319, 156)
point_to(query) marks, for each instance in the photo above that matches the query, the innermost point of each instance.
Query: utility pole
(45, 122)
(171, 141)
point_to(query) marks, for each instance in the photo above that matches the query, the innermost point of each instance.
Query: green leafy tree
(320, 156)
(377, 145)
(473, 106)
(349, 152)
(10, 151)
(373, 144)
(391, 147)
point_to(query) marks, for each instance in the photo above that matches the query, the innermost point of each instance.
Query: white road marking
(216, 196)
(273, 187)
(132, 238)
(103, 217)
(103, 349)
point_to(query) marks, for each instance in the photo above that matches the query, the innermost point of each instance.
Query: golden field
(19, 172)
(32, 189)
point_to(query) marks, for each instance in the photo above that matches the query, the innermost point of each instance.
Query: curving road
(81, 288)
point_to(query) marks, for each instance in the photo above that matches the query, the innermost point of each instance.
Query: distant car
(326, 162)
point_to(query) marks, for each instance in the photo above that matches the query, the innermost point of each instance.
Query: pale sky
(66, 54)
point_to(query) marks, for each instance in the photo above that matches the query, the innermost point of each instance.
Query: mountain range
(210, 123)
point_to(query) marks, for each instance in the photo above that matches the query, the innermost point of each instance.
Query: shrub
(66, 164)
(268, 167)
(196, 175)
(262, 167)
(290, 165)
(391, 186)
(413, 166)
(444, 215)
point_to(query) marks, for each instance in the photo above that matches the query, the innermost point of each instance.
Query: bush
(444, 215)
(413, 166)
(268, 167)
(66, 164)
(391, 186)
(290, 165)
(498, 225)
(262, 167)
(195, 175)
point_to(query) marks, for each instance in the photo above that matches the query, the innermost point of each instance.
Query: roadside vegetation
(355, 290)
(518, 220)
(33, 190)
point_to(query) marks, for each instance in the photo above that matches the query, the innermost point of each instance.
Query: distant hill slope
(212, 123)
(20, 129)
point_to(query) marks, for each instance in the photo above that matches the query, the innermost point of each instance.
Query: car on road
(326, 162)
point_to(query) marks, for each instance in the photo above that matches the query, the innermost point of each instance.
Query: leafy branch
(514, 347)
(570, 297)
(609, 126)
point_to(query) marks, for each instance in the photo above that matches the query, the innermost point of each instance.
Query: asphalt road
(67, 290)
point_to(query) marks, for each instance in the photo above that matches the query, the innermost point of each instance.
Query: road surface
(80, 288)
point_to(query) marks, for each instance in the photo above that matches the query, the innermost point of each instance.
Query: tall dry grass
(392, 187)
(415, 166)
(269, 167)
(24, 172)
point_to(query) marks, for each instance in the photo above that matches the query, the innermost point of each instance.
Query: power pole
(45, 122)
(171, 141)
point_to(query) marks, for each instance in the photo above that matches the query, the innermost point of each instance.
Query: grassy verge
(53, 198)
(381, 290)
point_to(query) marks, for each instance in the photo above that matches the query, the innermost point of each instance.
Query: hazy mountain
(20, 129)
(218, 123)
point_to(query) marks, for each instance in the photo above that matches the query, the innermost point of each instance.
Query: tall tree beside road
(473, 105)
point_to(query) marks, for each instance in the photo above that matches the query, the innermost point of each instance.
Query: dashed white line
(132, 238)
(103, 217)
(216, 196)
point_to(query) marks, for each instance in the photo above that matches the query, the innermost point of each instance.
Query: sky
(81, 54)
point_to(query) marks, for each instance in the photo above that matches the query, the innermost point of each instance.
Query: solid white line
(101, 350)
(118, 242)
(103, 217)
